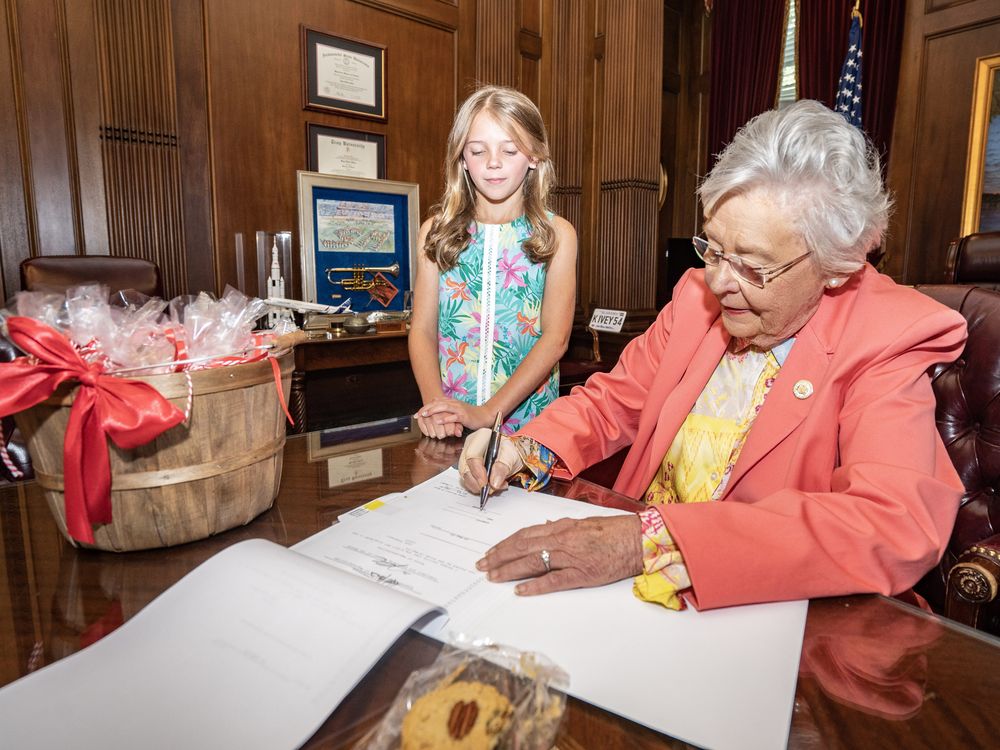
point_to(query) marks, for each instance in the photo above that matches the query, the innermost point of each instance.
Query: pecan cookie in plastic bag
(486, 696)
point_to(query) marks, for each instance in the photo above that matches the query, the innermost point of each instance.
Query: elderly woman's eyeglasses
(756, 275)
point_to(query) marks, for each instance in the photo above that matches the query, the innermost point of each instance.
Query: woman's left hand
(581, 553)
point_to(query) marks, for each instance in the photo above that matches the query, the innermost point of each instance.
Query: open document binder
(258, 645)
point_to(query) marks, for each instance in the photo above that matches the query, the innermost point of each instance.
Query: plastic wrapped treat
(481, 698)
(214, 327)
(134, 332)
(48, 307)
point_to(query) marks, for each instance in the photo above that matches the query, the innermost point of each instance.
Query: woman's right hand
(471, 465)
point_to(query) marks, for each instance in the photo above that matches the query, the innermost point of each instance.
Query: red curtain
(746, 53)
(823, 26)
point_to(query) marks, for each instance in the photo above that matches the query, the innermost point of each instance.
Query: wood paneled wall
(497, 59)
(570, 114)
(684, 114)
(99, 149)
(629, 157)
(37, 192)
(138, 134)
(164, 128)
(941, 41)
(258, 125)
(595, 69)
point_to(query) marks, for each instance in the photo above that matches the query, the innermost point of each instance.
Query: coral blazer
(843, 484)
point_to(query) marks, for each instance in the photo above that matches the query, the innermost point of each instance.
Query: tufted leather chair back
(968, 418)
(974, 259)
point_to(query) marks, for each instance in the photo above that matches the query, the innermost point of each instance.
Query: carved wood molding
(497, 52)
(441, 14)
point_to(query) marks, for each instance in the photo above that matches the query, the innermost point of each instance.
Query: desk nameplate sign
(610, 321)
(354, 467)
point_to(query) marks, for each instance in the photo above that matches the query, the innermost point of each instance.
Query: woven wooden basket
(220, 470)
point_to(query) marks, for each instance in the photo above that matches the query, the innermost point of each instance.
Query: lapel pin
(802, 389)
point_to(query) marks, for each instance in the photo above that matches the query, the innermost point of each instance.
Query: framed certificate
(343, 75)
(348, 153)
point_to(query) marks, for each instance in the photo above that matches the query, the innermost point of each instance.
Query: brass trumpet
(357, 282)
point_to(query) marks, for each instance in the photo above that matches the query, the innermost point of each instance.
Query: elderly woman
(779, 413)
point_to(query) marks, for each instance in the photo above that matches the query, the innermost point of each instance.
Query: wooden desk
(351, 379)
(874, 672)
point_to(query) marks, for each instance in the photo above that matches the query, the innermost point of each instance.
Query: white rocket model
(276, 288)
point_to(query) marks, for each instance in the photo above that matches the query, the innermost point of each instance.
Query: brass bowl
(356, 324)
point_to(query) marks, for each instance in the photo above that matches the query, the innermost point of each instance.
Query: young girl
(496, 274)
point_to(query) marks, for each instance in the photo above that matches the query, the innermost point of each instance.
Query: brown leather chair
(964, 585)
(59, 272)
(974, 259)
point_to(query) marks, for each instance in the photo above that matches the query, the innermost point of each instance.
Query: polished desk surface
(874, 672)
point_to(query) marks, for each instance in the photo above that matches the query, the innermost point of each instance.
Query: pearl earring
(834, 283)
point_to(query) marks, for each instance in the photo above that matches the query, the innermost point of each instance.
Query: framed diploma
(343, 75)
(348, 153)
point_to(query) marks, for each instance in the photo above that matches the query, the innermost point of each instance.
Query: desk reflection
(876, 664)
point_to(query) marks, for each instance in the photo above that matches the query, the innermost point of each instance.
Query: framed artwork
(358, 238)
(348, 153)
(981, 204)
(343, 75)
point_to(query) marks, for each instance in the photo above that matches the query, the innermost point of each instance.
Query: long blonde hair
(456, 211)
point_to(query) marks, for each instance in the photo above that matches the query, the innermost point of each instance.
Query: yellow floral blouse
(698, 464)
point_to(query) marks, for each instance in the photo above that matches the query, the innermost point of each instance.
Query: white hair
(822, 168)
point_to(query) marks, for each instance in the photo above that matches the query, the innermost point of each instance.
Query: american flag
(849, 86)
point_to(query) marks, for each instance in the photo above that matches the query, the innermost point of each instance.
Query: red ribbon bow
(131, 413)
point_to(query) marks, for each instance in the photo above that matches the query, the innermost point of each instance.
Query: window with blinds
(787, 88)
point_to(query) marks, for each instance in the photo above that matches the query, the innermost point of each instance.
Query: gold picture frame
(981, 201)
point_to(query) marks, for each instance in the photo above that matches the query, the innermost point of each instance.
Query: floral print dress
(489, 317)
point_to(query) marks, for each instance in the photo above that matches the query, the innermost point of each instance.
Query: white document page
(717, 679)
(730, 673)
(426, 541)
(253, 649)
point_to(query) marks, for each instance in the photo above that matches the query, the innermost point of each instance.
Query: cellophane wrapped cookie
(483, 696)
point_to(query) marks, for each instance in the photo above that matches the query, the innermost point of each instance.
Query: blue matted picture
(358, 240)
